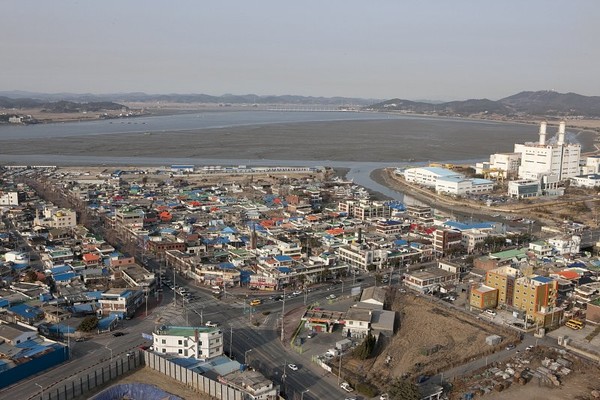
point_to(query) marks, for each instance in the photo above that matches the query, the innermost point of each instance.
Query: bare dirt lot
(431, 338)
(578, 384)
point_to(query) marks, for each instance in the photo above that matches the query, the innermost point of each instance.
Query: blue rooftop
(65, 277)
(25, 311)
(440, 171)
(461, 226)
(283, 258)
(226, 265)
(542, 279)
(93, 295)
(284, 270)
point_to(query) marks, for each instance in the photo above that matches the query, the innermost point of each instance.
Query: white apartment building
(472, 238)
(364, 209)
(54, 217)
(9, 198)
(201, 342)
(566, 244)
(541, 159)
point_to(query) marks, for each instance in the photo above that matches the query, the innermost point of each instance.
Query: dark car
(117, 334)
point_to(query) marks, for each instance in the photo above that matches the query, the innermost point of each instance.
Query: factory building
(447, 181)
(558, 161)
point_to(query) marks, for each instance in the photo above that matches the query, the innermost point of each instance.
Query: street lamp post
(41, 390)
(246, 355)
(302, 396)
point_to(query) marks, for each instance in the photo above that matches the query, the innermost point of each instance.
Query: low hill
(540, 103)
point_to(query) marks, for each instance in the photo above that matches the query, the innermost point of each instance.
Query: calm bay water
(358, 141)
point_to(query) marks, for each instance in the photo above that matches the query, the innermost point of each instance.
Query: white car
(211, 324)
(490, 312)
(384, 396)
(346, 386)
(331, 296)
(293, 367)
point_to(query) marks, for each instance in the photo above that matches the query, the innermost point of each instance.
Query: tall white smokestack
(561, 133)
(543, 133)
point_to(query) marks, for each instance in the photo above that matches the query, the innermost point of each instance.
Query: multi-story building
(503, 279)
(11, 198)
(391, 227)
(420, 214)
(483, 297)
(120, 302)
(365, 209)
(541, 159)
(501, 165)
(536, 296)
(473, 239)
(135, 276)
(446, 240)
(540, 248)
(126, 217)
(361, 256)
(54, 217)
(187, 341)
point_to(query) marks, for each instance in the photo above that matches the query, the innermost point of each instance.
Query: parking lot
(580, 338)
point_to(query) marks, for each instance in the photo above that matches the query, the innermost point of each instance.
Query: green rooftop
(185, 330)
(508, 254)
(596, 302)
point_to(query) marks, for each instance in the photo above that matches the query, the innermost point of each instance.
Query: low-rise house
(429, 280)
(253, 383)
(383, 322)
(14, 334)
(25, 313)
(373, 295)
(358, 322)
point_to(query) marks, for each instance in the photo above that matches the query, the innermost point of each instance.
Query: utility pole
(340, 369)
(230, 340)
(282, 319)
(174, 291)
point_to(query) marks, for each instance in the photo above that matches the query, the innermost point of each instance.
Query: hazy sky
(446, 49)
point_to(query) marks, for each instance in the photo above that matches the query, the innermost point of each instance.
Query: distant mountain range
(60, 106)
(540, 103)
(191, 98)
